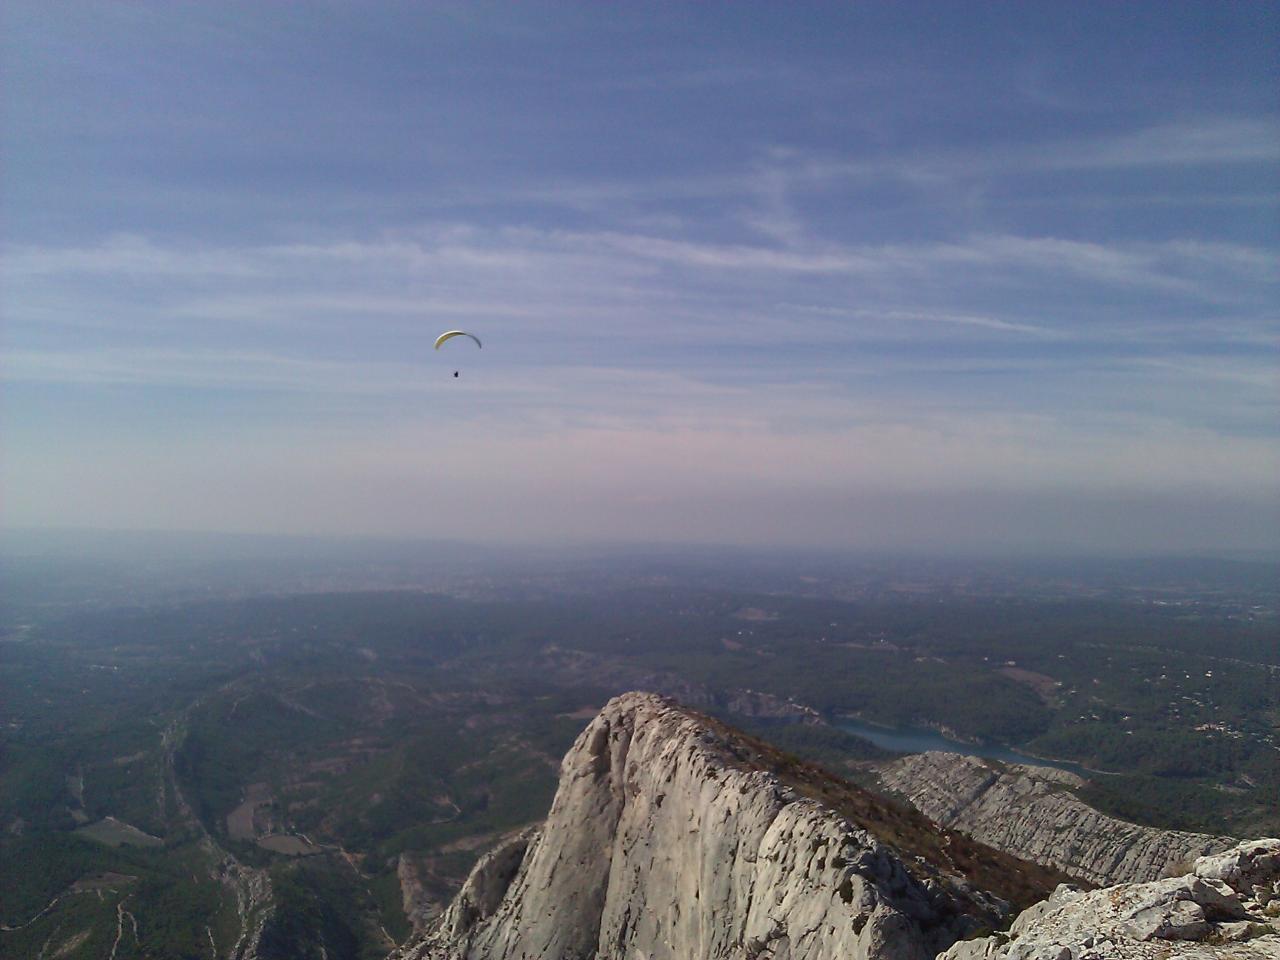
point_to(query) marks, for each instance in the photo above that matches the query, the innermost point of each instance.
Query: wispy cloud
(595, 295)
(764, 266)
(128, 255)
(778, 173)
(926, 317)
(1199, 142)
(513, 252)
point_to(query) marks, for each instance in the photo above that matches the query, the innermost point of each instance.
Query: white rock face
(661, 844)
(1226, 908)
(1027, 812)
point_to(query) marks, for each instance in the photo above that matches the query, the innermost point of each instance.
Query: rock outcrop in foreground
(1028, 812)
(1226, 908)
(672, 837)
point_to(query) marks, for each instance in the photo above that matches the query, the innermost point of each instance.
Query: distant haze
(927, 277)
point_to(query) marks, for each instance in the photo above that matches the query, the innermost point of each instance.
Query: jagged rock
(485, 887)
(667, 841)
(1028, 812)
(1252, 867)
(1205, 915)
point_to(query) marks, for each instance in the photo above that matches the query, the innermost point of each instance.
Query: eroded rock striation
(1030, 813)
(671, 838)
(1225, 908)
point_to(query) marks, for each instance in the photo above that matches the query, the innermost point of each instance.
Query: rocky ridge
(1226, 907)
(1030, 813)
(673, 836)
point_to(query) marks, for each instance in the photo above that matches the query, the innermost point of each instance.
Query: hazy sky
(919, 275)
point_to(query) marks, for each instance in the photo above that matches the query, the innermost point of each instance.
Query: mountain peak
(673, 835)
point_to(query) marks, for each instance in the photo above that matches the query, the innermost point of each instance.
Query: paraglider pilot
(450, 334)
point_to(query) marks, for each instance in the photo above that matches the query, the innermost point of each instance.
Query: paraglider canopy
(450, 334)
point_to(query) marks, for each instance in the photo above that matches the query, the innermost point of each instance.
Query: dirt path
(5, 928)
(121, 913)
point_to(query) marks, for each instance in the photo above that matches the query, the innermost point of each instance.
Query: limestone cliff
(1225, 908)
(1028, 812)
(673, 837)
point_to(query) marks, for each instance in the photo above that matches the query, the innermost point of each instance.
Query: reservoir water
(915, 740)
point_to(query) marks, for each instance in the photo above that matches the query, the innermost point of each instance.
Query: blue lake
(913, 740)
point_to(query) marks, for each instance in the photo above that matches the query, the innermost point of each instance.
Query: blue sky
(913, 276)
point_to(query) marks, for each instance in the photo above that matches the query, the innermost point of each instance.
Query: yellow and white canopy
(450, 334)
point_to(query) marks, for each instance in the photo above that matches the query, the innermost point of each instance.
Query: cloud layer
(728, 291)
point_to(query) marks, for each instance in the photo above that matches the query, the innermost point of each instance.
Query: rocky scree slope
(1030, 813)
(673, 836)
(1227, 907)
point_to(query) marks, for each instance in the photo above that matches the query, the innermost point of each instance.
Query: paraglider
(450, 334)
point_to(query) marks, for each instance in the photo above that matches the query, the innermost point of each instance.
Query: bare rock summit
(674, 837)
(1225, 909)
